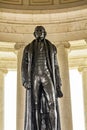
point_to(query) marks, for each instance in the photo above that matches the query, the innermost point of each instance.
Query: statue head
(40, 32)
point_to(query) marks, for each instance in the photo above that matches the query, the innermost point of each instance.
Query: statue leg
(36, 85)
(50, 95)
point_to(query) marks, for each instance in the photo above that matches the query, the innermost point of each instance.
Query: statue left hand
(59, 94)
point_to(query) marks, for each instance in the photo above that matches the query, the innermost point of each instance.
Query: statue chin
(40, 38)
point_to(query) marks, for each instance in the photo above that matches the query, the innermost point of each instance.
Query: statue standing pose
(41, 78)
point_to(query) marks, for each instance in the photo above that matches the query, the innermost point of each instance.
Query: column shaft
(20, 94)
(65, 102)
(84, 79)
(1, 100)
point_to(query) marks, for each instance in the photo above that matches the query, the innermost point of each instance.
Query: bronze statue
(41, 78)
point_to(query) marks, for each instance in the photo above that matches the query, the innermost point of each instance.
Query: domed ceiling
(64, 20)
(40, 4)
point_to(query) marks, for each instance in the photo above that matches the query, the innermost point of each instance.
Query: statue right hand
(27, 85)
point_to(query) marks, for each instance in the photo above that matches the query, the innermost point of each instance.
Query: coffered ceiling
(40, 4)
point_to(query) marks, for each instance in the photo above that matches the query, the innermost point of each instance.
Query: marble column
(83, 70)
(2, 74)
(65, 102)
(20, 90)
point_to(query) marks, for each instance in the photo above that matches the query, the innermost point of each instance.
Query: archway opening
(10, 93)
(77, 100)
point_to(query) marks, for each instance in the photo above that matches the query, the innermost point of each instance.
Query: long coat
(27, 70)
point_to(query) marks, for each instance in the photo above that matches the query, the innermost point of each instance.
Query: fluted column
(20, 90)
(83, 70)
(65, 102)
(2, 74)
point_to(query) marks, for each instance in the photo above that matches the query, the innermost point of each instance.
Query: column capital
(66, 44)
(18, 46)
(5, 71)
(82, 68)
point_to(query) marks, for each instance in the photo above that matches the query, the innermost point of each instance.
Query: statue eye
(40, 30)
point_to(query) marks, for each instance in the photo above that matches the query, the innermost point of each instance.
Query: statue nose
(39, 32)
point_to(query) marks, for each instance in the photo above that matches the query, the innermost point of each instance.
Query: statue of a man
(41, 78)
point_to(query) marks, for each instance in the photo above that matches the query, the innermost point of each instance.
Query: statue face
(39, 32)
